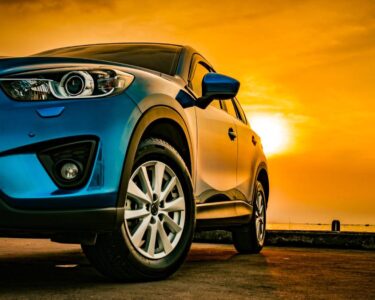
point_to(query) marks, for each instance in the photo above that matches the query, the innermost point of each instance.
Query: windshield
(158, 57)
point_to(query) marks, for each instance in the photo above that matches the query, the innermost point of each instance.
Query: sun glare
(274, 132)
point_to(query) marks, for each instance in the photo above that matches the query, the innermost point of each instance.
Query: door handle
(232, 134)
(253, 139)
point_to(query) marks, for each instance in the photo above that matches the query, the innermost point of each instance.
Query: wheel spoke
(171, 184)
(258, 228)
(136, 214)
(140, 231)
(146, 181)
(261, 209)
(260, 204)
(167, 246)
(136, 192)
(158, 177)
(171, 224)
(174, 205)
(151, 239)
(261, 231)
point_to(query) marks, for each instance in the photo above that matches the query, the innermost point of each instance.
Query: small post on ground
(336, 225)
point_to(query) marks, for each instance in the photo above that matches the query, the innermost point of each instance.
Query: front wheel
(250, 237)
(159, 219)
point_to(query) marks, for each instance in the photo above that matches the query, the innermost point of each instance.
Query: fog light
(69, 164)
(69, 171)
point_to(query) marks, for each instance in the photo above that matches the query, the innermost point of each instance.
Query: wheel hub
(154, 209)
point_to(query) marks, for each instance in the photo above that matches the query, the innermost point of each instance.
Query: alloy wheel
(260, 220)
(154, 209)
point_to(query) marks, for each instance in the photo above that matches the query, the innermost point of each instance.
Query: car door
(246, 161)
(217, 145)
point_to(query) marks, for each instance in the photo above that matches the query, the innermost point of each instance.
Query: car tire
(250, 238)
(127, 254)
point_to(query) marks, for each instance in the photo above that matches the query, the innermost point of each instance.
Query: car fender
(262, 165)
(148, 117)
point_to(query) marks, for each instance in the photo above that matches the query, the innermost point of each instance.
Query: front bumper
(29, 197)
(14, 220)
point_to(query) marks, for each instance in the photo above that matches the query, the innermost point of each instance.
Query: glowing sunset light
(274, 132)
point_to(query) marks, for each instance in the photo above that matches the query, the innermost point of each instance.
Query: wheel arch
(172, 132)
(262, 177)
(166, 123)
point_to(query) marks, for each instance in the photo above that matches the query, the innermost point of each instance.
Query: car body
(161, 88)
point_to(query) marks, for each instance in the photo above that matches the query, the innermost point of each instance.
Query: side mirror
(217, 86)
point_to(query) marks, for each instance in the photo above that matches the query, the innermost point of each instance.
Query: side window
(240, 111)
(230, 108)
(196, 80)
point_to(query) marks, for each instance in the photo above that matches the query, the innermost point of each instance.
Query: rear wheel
(250, 237)
(159, 219)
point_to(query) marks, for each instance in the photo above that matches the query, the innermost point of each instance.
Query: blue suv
(127, 149)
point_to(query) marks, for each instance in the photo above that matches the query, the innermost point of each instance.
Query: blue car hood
(13, 65)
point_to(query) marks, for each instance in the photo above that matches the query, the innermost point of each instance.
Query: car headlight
(62, 84)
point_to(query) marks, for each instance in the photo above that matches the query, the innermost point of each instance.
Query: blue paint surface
(25, 184)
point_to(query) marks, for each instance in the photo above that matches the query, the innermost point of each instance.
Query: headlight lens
(58, 84)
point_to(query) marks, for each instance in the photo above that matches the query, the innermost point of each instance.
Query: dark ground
(39, 269)
(301, 238)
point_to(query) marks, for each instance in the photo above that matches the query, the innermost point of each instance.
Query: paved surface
(39, 269)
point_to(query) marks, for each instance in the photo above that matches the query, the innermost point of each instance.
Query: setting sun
(274, 132)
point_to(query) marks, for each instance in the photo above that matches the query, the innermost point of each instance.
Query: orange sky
(309, 65)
